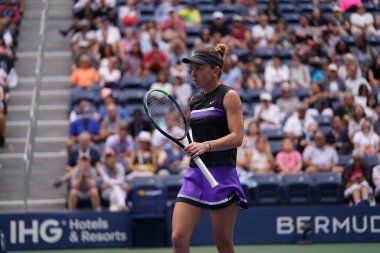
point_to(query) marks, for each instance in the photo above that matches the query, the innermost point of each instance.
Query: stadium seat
(134, 96)
(275, 146)
(267, 191)
(172, 184)
(265, 53)
(344, 160)
(301, 93)
(147, 198)
(371, 160)
(273, 134)
(127, 82)
(323, 120)
(247, 110)
(297, 188)
(291, 17)
(328, 188)
(148, 212)
(325, 129)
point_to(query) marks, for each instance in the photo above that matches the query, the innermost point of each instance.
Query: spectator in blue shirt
(85, 122)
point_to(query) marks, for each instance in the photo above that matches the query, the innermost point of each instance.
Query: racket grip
(205, 172)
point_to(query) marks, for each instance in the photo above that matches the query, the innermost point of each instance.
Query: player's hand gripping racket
(165, 113)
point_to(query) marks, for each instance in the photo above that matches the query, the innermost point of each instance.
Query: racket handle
(205, 172)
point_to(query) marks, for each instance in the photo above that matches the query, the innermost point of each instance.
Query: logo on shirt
(212, 102)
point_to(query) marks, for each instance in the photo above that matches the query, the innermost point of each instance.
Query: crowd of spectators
(308, 73)
(10, 18)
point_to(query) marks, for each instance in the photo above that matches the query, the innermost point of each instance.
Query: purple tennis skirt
(196, 190)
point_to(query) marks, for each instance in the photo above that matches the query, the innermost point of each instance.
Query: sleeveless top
(208, 122)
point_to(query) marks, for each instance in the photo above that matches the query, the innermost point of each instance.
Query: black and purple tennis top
(208, 121)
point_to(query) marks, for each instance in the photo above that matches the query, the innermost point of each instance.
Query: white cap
(336, 8)
(217, 14)
(266, 96)
(144, 136)
(237, 18)
(332, 67)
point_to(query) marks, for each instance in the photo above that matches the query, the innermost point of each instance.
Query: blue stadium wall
(259, 225)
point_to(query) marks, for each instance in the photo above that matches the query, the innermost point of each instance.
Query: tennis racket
(165, 113)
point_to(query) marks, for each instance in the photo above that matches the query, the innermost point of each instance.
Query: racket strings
(164, 112)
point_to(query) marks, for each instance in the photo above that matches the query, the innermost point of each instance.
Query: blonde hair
(218, 51)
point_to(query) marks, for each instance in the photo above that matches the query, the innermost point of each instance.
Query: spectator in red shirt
(10, 12)
(155, 60)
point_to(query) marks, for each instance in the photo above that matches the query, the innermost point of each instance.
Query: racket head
(163, 110)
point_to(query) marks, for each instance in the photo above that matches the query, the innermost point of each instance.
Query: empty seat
(343, 160)
(301, 93)
(371, 161)
(275, 146)
(273, 134)
(267, 191)
(128, 82)
(172, 184)
(325, 129)
(323, 120)
(147, 198)
(133, 96)
(297, 188)
(328, 188)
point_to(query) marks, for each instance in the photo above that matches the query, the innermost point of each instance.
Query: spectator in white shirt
(298, 124)
(263, 33)
(275, 74)
(348, 60)
(353, 82)
(267, 114)
(366, 139)
(110, 75)
(182, 90)
(362, 22)
(319, 157)
(108, 34)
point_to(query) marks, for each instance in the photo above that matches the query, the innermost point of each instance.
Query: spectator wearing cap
(141, 162)
(338, 136)
(339, 20)
(110, 124)
(238, 36)
(263, 33)
(86, 122)
(107, 34)
(122, 143)
(84, 76)
(83, 49)
(299, 73)
(83, 185)
(298, 124)
(348, 60)
(139, 124)
(357, 180)
(84, 147)
(218, 24)
(275, 74)
(78, 109)
(190, 14)
(114, 188)
(288, 103)
(84, 33)
(333, 84)
(231, 73)
(362, 22)
(267, 114)
(320, 157)
(353, 82)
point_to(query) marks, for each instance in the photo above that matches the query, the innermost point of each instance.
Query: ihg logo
(48, 230)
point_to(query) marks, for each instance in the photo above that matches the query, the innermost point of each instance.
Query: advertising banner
(65, 230)
(329, 224)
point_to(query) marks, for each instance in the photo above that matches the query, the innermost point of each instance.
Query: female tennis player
(217, 127)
